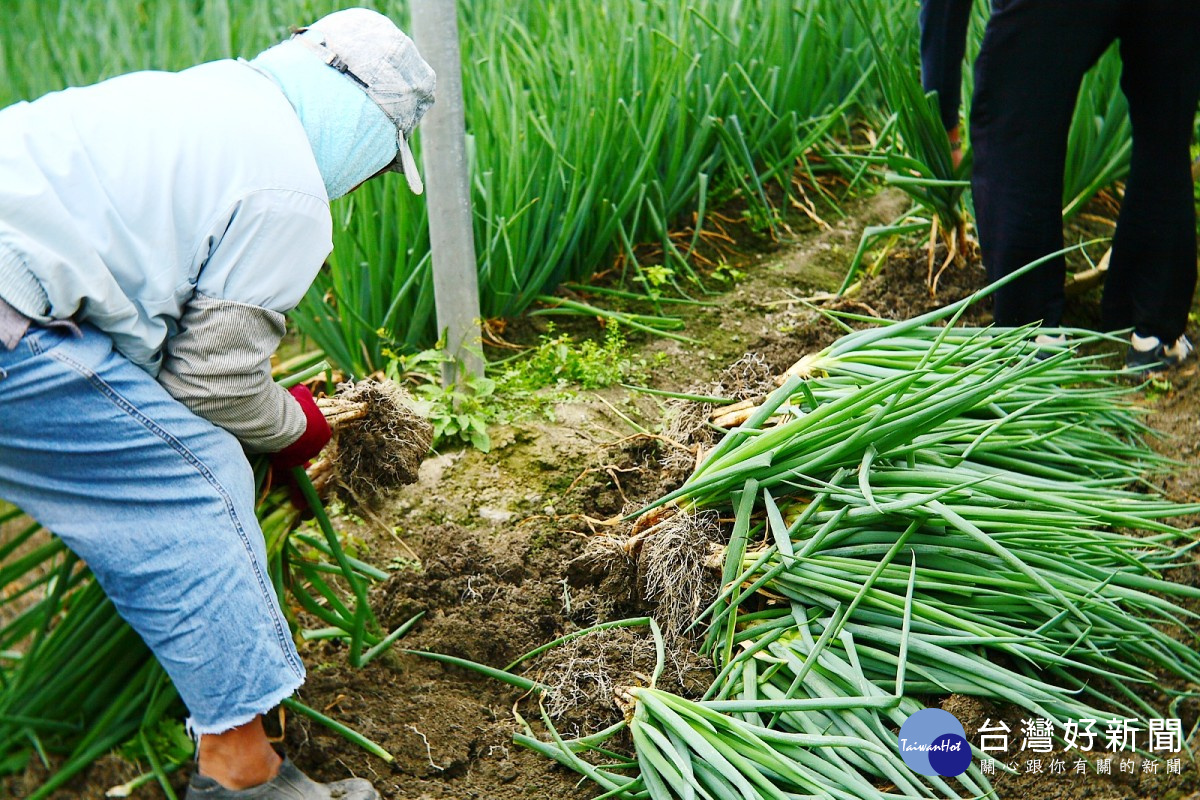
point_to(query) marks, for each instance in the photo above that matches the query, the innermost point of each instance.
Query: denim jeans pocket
(41, 339)
(36, 341)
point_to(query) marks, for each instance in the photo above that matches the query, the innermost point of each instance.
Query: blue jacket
(183, 214)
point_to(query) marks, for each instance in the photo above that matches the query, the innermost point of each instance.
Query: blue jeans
(160, 504)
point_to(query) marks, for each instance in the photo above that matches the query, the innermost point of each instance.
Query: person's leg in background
(160, 504)
(1152, 273)
(944, 25)
(1027, 77)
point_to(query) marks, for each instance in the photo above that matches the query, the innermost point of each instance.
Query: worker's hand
(956, 153)
(316, 435)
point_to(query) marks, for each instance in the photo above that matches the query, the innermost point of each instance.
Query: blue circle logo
(933, 742)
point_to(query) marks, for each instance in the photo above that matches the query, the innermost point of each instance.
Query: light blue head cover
(350, 135)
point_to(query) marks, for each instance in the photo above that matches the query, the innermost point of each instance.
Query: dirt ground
(501, 552)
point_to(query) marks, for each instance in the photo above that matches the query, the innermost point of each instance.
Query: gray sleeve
(219, 365)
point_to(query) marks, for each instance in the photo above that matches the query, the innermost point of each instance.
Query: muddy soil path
(498, 551)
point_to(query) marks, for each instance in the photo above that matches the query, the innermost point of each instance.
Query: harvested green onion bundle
(688, 749)
(923, 510)
(787, 681)
(723, 748)
(987, 394)
(1043, 618)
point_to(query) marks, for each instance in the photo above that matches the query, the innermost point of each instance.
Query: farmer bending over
(154, 229)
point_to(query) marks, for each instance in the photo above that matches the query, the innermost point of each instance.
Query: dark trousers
(1027, 77)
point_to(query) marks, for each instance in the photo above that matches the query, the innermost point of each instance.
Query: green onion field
(750, 479)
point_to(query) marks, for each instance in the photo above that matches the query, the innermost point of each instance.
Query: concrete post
(447, 187)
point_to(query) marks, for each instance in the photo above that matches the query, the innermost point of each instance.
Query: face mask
(351, 137)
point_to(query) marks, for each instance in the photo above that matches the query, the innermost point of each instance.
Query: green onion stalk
(689, 749)
(919, 160)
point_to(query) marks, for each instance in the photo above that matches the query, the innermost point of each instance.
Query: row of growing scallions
(917, 510)
(76, 681)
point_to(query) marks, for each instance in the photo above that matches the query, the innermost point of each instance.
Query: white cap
(370, 50)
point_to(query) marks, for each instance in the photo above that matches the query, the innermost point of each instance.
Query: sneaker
(289, 784)
(1048, 345)
(1148, 354)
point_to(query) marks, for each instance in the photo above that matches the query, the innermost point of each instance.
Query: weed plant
(522, 388)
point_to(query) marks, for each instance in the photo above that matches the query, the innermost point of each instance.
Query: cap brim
(409, 165)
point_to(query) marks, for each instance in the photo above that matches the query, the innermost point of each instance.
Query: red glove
(316, 435)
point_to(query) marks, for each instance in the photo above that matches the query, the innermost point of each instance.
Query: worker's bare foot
(239, 758)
